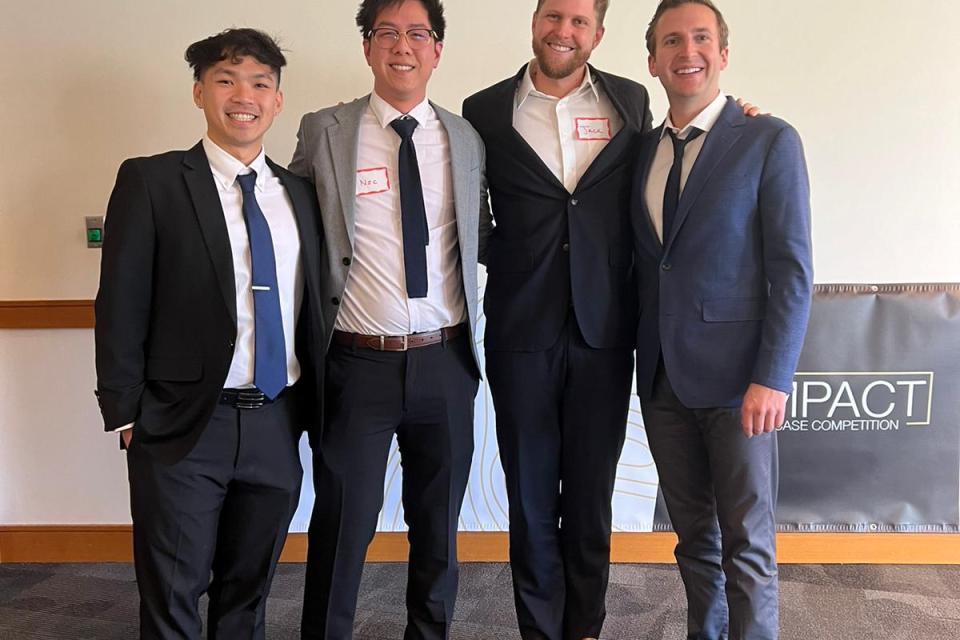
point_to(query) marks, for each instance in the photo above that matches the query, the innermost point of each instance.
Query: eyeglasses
(388, 37)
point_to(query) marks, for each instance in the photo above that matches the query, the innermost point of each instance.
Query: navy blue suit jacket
(726, 297)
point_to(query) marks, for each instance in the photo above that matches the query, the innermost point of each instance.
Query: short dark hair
(370, 9)
(666, 5)
(234, 44)
(599, 6)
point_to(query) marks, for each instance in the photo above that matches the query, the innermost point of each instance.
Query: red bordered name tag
(593, 128)
(372, 181)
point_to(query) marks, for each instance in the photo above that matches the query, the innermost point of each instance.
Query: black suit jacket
(551, 249)
(166, 308)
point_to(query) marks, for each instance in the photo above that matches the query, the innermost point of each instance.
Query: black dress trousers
(223, 510)
(425, 396)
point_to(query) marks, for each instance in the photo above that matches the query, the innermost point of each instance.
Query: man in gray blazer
(399, 182)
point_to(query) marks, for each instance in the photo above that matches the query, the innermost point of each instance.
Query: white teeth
(243, 117)
(402, 67)
(683, 72)
(561, 48)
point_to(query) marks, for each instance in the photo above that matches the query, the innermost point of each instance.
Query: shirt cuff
(125, 427)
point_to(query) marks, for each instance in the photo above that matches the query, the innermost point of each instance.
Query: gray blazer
(326, 155)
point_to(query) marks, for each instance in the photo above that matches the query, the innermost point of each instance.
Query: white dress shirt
(375, 299)
(567, 133)
(663, 160)
(278, 210)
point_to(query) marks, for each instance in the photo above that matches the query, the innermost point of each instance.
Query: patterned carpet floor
(644, 602)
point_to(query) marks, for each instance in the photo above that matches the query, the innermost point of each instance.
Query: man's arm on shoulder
(124, 299)
(784, 210)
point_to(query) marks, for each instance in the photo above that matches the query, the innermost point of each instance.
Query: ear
(437, 49)
(366, 51)
(724, 58)
(600, 31)
(198, 94)
(279, 103)
(652, 65)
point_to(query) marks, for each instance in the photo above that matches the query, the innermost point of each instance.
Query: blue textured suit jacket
(726, 297)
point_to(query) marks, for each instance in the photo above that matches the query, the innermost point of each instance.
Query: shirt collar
(527, 88)
(386, 113)
(704, 121)
(226, 168)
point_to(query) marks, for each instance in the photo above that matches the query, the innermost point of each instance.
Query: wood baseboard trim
(46, 314)
(112, 543)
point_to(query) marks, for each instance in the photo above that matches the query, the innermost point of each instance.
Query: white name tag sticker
(372, 181)
(593, 128)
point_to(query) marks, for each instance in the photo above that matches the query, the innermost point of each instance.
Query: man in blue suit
(722, 226)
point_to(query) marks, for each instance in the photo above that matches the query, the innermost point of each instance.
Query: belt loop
(443, 338)
(383, 341)
(353, 343)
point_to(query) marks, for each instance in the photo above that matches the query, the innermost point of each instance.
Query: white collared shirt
(375, 299)
(278, 210)
(663, 160)
(567, 133)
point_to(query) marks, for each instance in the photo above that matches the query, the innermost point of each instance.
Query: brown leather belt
(397, 343)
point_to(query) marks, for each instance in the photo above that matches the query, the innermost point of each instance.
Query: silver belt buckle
(250, 399)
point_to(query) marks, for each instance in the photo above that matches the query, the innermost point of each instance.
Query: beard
(558, 70)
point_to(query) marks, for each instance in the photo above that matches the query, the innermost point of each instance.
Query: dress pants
(225, 508)
(561, 423)
(720, 489)
(425, 396)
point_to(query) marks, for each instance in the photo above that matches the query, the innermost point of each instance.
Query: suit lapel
(460, 165)
(213, 226)
(721, 138)
(503, 121)
(306, 226)
(645, 162)
(602, 163)
(344, 140)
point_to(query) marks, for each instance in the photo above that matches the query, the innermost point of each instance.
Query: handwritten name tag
(372, 181)
(593, 128)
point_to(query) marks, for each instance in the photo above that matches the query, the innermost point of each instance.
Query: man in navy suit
(722, 226)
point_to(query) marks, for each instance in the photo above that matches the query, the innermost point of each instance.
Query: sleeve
(300, 163)
(784, 213)
(124, 298)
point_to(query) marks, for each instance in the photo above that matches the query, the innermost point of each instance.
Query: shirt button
(335, 301)
(347, 261)
(666, 266)
(231, 344)
(566, 247)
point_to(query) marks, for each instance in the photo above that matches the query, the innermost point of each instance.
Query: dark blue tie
(270, 354)
(671, 194)
(413, 215)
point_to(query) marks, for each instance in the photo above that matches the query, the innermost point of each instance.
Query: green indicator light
(94, 235)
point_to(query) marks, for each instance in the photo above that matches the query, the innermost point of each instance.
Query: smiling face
(565, 33)
(400, 73)
(688, 58)
(240, 99)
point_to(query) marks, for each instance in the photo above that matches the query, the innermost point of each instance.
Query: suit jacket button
(347, 261)
(335, 301)
(566, 247)
(574, 202)
(666, 266)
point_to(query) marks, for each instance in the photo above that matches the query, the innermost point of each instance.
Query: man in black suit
(561, 308)
(208, 295)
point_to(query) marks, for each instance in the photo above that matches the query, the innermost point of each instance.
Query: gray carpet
(643, 602)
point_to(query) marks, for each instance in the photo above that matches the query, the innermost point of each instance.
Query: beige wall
(83, 85)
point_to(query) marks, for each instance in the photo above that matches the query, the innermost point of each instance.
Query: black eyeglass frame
(372, 34)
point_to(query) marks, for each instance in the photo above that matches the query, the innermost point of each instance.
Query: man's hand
(127, 437)
(748, 109)
(763, 410)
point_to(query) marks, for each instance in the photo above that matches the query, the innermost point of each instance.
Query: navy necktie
(270, 353)
(671, 195)
(413, 214)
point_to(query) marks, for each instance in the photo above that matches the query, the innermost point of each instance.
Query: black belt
(397, 343)
(246, 398)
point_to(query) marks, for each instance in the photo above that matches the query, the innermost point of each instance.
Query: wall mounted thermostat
(94, 226)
